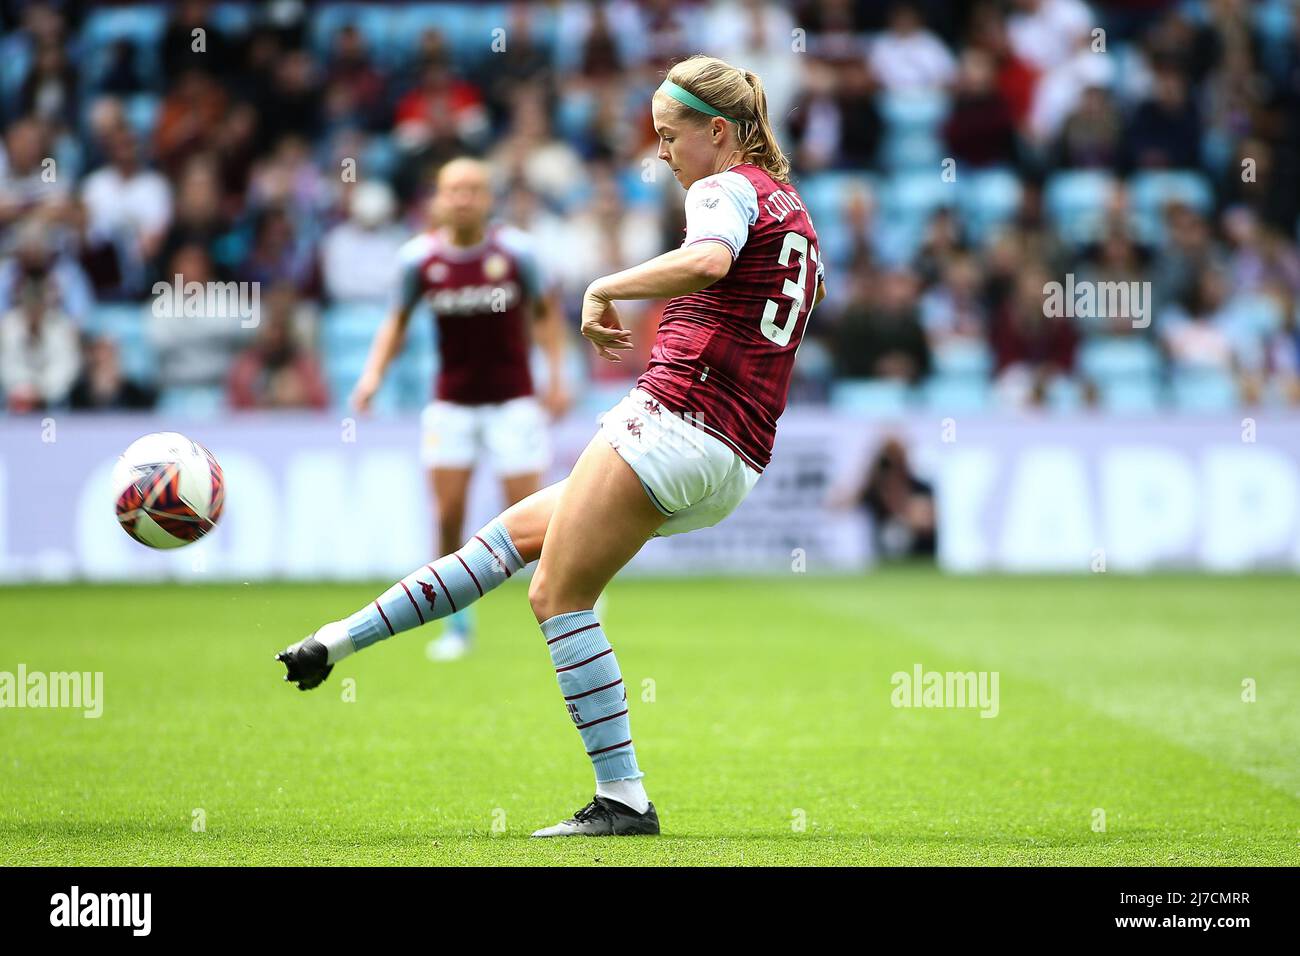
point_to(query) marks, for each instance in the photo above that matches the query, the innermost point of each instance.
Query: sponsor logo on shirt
(471, 299)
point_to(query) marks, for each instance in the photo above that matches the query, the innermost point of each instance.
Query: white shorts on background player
(693, 478)
(511, 435)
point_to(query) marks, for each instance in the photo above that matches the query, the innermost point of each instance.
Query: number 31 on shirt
(780, 334)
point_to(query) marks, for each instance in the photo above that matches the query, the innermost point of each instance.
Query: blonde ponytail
(738, 94)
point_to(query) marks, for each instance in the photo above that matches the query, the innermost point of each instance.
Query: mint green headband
(691, 100)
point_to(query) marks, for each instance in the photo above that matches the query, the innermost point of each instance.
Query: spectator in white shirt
(909, 57)
(1046, 32)
(39, 351)
(359, 256)
(128, 204)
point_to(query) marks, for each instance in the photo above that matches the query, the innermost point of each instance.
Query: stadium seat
(1129, 396)
(1075, 201)
(373, 22)
(1151, 190)
(1065, 395)
(142, 113)
(986, 199)
(1203, 390)
(964, 357)
(127, 325)
(1126, 371)
(911, 135)
(826, 194)
(908, 202)
(870, 398)
(198, 401)
(15, 60)
(143, 26)
(1110, 358)
(950, 394)
(232, 18)
(911, 110)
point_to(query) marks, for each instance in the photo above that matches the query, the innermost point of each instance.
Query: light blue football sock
(429, 593)
(593, 689)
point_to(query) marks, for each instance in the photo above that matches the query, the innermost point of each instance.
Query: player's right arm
(386, 347)
(391, 336)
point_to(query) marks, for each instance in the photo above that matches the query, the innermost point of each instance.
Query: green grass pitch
(761, 709)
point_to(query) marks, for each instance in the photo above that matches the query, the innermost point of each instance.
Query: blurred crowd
(956, 156)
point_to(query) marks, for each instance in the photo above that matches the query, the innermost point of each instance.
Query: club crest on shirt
(436, 272)
(495, 266)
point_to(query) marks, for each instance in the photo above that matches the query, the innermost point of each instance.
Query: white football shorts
(512, 435)
(691, 476)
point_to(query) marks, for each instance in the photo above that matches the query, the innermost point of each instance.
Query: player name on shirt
(725, 354)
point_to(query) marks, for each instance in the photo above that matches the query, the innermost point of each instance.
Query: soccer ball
(169, 490)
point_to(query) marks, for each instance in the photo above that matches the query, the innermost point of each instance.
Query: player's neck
(734, 158)
(464, 238)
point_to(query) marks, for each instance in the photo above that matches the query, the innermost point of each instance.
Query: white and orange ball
(169, 490)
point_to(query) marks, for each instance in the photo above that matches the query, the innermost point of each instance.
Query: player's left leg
(600, 522)
(432, 591)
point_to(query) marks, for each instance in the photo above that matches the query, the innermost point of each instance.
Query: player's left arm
(719, 211)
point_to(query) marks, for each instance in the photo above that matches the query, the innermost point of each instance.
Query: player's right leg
(431, 592)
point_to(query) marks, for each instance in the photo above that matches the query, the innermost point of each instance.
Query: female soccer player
(678, 453)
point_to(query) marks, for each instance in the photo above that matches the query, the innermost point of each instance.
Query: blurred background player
(483, 284)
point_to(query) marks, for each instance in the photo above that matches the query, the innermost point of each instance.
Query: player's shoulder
(516, 241)
(418, 248)
(709, 191)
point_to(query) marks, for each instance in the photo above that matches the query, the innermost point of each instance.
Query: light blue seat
(986, 199)
(825, 193)
(1151, 190)
(964, 357)
(127, 326)
(911, 136)
(908, 201)
(1203, 390)
(192, 401)
(466, 27)
(870, 398)
(1126, 372)
(912, 110)
(373, 22)
(914, 197)
(143, 26)
(142, 113)
(380, 157)
(232, 18)
(1129, 395)
(15, 61)
(1109, 357)
(911, 150)
(951, 394)
(1065, 395)
(1076, 202)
